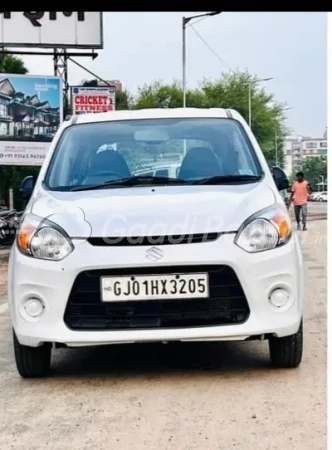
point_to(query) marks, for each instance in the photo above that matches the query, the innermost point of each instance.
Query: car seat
(200, 162)
(106, 165)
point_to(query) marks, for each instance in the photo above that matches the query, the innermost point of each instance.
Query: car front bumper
(258, 274)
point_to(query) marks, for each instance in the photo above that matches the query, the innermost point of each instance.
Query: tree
(315, 170)
(268, 120)
(12, 64)
(161, 95)
(231, 90)
(123, 100)
(90, 83)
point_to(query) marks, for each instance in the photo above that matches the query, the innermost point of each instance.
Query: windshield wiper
(229, 179)
(132, 181)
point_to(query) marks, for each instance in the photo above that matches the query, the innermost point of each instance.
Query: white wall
(288, 166)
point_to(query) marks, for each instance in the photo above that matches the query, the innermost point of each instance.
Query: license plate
(154, 287)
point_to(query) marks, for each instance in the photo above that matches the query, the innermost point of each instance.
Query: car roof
(153, 113)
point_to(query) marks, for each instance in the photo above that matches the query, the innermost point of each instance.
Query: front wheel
(286, 352)
(32, 362)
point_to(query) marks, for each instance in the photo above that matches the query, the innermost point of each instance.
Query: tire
(286, 352)
(32, 362)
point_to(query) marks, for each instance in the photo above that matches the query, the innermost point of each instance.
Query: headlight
(43, 239)
(265, 230)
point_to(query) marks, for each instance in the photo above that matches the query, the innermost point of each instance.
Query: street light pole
(184, 80)
(276, 144)
(276, 139)
(186, 20)
(249, 94)
(249, 105)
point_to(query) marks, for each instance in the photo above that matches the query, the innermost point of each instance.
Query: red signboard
(93, 99)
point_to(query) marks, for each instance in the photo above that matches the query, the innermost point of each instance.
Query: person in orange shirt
(300, 194)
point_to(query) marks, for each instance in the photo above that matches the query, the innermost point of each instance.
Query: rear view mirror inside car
(151, 136)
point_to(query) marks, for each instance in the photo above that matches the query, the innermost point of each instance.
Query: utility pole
(250, 94)
(186, 20)
(276, 139)
(249, 105)
(276, 147)
(184, 79)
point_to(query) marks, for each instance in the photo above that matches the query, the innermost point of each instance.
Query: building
(298, 149)
(116, 83)
(313, 147)
(25, 116)
(291, 152)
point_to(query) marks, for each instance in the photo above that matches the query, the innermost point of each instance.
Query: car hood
(152, 211)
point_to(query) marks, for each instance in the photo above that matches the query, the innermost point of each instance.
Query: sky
(291, 47)
(45, 88)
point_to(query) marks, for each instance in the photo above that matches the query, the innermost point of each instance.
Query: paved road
(186, 397)
(317, 208)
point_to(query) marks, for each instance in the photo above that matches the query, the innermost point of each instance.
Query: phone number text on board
(22, 156)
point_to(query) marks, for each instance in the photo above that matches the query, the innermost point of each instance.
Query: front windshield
(184, 149)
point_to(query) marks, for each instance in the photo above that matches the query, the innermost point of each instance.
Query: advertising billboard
(87, 99)
(51, 29)
(30, 114)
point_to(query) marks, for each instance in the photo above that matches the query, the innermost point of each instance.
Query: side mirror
(280, 178)
(27, 186)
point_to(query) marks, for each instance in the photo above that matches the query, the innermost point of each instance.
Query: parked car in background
(321, 197)
(313, 196)
(318, 196)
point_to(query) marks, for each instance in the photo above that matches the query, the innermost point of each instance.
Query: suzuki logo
(154, 254)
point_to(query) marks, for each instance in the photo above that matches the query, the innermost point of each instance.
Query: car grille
(127, 241)
(227, 303)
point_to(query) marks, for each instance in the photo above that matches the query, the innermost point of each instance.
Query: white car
(106, 257)
(321, 197)
(313, 196)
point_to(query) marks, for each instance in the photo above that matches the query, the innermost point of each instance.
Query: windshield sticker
(246, 172)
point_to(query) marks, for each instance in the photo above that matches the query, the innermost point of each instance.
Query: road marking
(3, 308)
